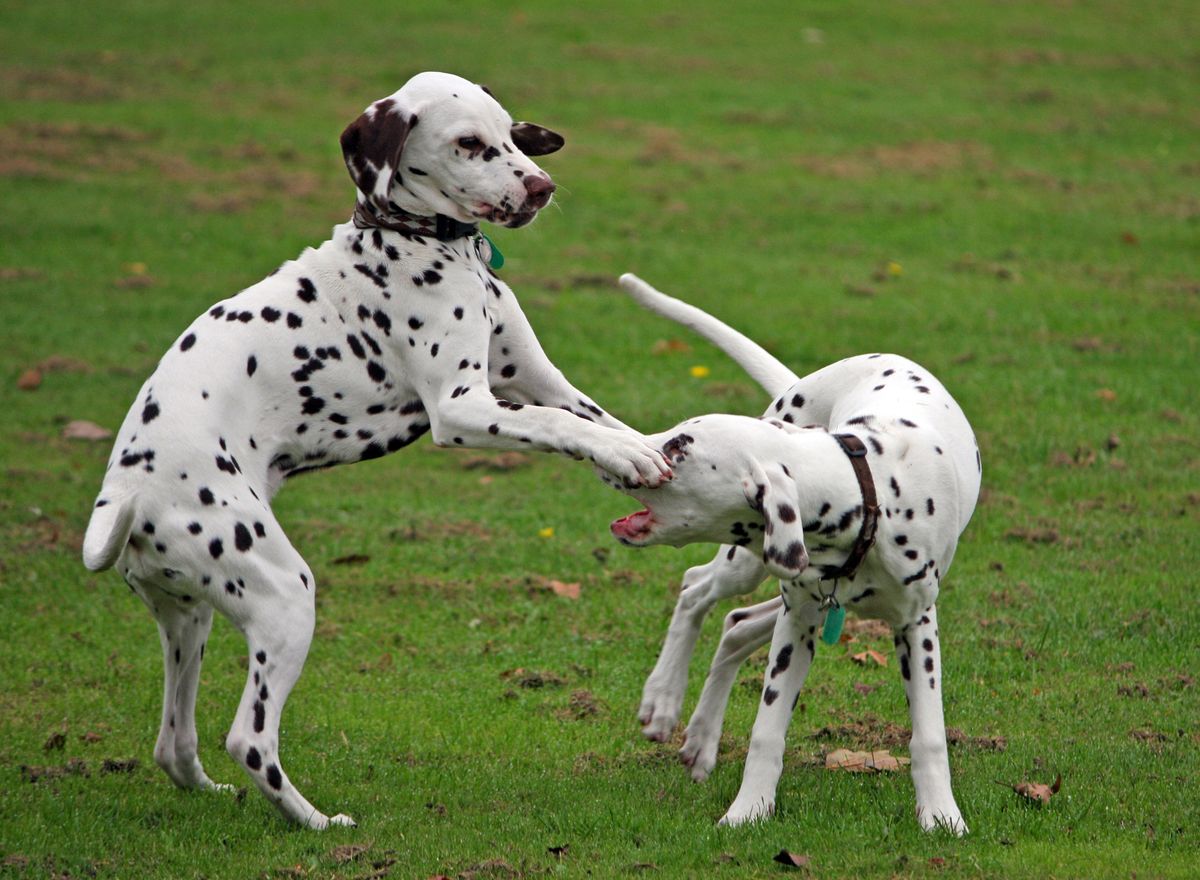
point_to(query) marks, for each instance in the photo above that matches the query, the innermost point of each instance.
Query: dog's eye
(470, 143)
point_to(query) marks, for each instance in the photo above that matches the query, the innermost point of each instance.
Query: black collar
(856, 450)
(439, 226)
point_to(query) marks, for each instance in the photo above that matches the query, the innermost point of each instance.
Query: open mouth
(634, 528)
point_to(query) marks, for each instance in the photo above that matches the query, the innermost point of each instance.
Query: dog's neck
(827, 483)
(437, 226)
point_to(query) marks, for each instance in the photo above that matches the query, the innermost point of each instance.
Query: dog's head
(444, 145)
(730, 486)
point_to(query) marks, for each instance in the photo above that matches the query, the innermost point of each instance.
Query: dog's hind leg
(921, 668)
(745, 631)
(183, 626)
(733, 571)
(274, 607)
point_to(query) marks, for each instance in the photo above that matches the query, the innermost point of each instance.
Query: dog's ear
(533, 140)
(371, 147)
(772, 492)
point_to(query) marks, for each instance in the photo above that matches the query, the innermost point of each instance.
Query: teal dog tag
(496, 260)
(832, 630)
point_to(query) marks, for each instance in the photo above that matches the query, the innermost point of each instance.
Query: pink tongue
(631, 526)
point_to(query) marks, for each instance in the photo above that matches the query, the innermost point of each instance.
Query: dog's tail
(751, 357)
(108, 531)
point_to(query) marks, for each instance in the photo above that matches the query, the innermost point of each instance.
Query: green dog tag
(832, 630)
(496, 260)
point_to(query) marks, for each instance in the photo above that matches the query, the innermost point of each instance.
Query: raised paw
(634, 462)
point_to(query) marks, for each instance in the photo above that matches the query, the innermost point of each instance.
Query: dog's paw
(745, 810)
(633, 461)
(699, 753)
(946, 818)
(319, 821)
(657, 721)
(659, 714)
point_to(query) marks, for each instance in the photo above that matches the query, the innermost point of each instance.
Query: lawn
(1007, 193)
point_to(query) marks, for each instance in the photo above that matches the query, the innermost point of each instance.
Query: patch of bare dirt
(919, 158)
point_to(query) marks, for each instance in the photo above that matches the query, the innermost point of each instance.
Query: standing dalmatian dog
(394, 327)
(861, 510)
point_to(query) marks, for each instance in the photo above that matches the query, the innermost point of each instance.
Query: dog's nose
(538, 189)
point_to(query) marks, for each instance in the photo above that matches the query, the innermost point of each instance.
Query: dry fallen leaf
(1036, 792)
(792, 860)
(29, 380)
(863, 762)
(663, 346)
(80, 429)
(566, 590)
(869, 656)
(1106, 394)
(865, 689)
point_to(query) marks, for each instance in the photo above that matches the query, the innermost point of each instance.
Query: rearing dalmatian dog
(394, 327)
(861, 510)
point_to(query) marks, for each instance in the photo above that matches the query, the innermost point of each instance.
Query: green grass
(1030, 167)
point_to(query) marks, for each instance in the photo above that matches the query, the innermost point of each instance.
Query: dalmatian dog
(861, 509)
(395, 327)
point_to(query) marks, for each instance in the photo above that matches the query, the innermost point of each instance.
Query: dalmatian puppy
(394, 327)
(861, 510)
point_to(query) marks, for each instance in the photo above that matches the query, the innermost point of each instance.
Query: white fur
(735, 476)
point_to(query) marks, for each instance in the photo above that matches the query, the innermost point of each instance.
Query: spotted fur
(350, 352)
(797, 485)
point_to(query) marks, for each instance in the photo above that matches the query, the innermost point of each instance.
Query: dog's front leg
(921, 668)
(791, 655)
(745, 631)
(731, 572)
(522, 372)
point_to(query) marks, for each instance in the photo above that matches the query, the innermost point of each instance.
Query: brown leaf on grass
(865, 689)
(560, 851)
(1113, 442)
(91, 737)
(81, 429)
(566, 590)
(1106, 394)
(863, 762)
(869, 656)
(791, 859)
(348, 852)
(1149, 736)
(55, 742)
(663, 346)
(1137, 689)
(351, 559)
(1035, 792)
(30, 379)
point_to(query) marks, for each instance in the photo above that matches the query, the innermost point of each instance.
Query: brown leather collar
(856, 451)
(439, 226)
